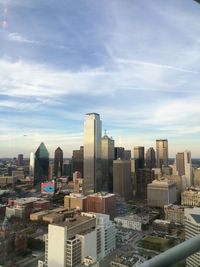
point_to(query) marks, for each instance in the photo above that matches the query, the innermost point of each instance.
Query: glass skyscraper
(92, 154)
(162, 152)
(41, 164)
(58, 162)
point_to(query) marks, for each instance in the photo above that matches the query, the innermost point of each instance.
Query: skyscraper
(20, 159)
(32, 165)
(162, 152)
(41, 164)
(122, 182)
(92, 154)
(184, 166)
(139, 156)
(119, 153)
(77, 160)
(58, 162)
(150, 158)
(107, 151)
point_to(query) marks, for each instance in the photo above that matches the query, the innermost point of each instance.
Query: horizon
(136, 63)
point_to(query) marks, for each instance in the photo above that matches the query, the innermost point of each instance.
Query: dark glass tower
(139, 156)
(58, 162)
(41, 164)
(150, 158)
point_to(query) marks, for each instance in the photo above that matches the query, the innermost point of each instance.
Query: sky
(136, 63)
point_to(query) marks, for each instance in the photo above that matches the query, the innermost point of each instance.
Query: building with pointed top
(41, 165)
(58, 162)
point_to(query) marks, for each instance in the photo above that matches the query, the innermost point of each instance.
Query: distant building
(104, 203)
(150, 158)
(119, 153)
(67, 168)
(161, 192)
(184, 166)
(143, 178)
(41, 165)
(58, 162)
(77, 160)
(32, 165)
(162, 152)
(122, 182)
(20, 160)
(139, 156)
(127, 154)
(92, 154)
(192, 228)
(107, 155)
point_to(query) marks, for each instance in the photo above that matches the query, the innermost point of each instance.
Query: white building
(192, 228)
(133, 221)
(69, 243)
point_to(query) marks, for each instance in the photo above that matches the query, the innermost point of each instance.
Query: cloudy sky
(135, 62)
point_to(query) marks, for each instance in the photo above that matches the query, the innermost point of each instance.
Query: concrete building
(196, 173)
(122, 182)
(78, 185)
(161, 192)
(191, 197)
(75, 201)
(174, 213)
(92, 154)
(104, 203)
(184, 166)
(88, 235)
(32, 165)
(192, 228)
(20, 160)
(133, 221)
(161, 152)
(107, 154)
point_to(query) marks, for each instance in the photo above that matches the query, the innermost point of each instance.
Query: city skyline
(136, 63)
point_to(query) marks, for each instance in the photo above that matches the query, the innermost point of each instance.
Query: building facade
(92, 154)
(41, 166)
(107, 154)
(161, 152)
(150, 158)
(58, 162)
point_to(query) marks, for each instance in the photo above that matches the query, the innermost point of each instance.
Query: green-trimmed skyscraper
(41, 164)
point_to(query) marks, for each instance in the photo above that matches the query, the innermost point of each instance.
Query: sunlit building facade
(162, 152)
(92, 154)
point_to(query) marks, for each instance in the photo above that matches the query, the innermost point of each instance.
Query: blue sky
(136, 63)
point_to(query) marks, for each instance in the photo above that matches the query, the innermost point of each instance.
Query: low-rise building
(75, 201)
(161, 226)
(132, 221)
(191, 197)
(161, 192)
(174, 213)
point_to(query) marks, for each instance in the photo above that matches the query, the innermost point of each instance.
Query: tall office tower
(58, 162)
(20, 160)
(67, 168)
(150, 158)
(138, 153)
(184, 166)
(143, 178)
(196, 177)
(32, 165)
(192, 228)
(119, 153)
(41, 164)
(122, 182)
(77, 160)
(162, 152)
(107, 154)
(92, 154)
(127, 154)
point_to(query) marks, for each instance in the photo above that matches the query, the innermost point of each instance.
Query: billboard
(48, 187)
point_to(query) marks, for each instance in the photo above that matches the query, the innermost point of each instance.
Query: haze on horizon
(136, 63)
